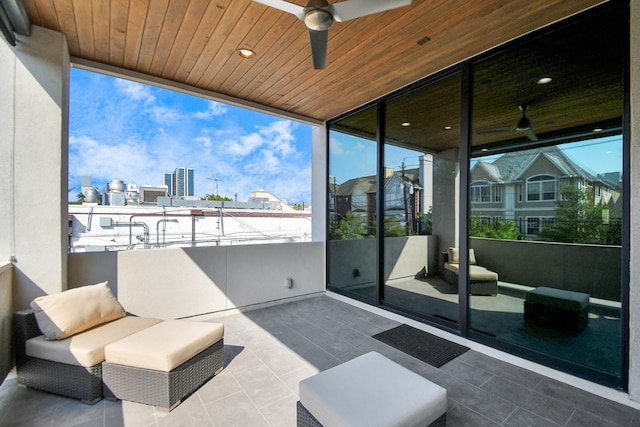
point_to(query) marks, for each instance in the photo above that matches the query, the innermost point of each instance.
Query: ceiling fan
(318, 16)
(524, 125)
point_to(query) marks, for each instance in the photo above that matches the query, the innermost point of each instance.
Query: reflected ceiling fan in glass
(318, 16)
(523, 125)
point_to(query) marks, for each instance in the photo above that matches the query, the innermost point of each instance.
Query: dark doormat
(422, 345)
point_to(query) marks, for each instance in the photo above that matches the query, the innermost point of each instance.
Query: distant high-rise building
(169, 181)
(180, 183)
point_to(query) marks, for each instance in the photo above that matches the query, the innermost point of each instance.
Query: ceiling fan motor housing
(318, 19)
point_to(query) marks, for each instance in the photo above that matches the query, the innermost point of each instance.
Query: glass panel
(421, 182)
(352, 204)
(558, 268)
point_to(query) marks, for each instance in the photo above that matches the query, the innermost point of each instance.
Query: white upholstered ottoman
(371, 391)
(163, 364)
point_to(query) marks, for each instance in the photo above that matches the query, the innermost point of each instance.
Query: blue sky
(352, 157)
(124, 130)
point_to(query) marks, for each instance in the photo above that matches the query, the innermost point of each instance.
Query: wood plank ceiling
(196, 42)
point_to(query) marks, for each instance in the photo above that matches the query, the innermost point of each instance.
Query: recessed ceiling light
(544, 80)
(405, 124)
(484, 149)
(448, 127)
(246, 53)
(598, 130)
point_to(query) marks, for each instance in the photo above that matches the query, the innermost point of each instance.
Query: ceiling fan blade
(496, 130)
(319, 41)
(529, 134)
(350, 9)
(284, 6)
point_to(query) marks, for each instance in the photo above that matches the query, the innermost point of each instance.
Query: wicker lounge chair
(481, 280)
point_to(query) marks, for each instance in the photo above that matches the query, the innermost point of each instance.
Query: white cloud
(134, 90)
(213, 109)
(166, 115)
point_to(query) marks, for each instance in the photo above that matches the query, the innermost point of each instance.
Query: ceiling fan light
(318, 19)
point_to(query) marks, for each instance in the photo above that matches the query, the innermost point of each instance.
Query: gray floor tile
(476, 399)
(506, 370)
(542, 405)
(261, 385)
(236, 410)
(466, 372)
(523, 418)
(71, 412)
(219, 387)
(460, 416)
(587, 402)
(269, 351)
(584, 419)
(281, 413)
(191, 412)
(279, 359)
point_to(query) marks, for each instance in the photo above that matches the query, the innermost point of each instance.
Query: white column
(34, 82)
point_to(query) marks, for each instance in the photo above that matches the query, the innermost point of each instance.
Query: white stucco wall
(34, 78)
(634, 267)
(319, 183)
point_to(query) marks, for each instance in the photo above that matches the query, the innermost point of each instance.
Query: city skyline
(123, 130)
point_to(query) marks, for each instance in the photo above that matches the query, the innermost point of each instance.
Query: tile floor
(268, 351)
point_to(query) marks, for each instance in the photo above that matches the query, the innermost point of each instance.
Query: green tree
(506, 230)
(216, 198)
(579, 220)
(349, 228)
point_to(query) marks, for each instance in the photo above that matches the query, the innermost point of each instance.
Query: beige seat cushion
(70, 312)
(87, 348)
(476, 272)
(164, 346)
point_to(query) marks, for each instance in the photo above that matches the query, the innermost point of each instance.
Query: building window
(497, 193)
(535, 224)
(541, 187)
(480, 192)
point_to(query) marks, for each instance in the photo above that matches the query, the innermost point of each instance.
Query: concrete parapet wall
(592, 269)
(404, 257)
(184, 282)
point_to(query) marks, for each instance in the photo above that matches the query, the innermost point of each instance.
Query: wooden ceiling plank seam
(482, 33)
(101, 14)
(173, 20)
(398, 46)
(84, 22)
(260, 63)
(448, 27)
(67, 25)
(342, 51)
(188, 27)
(300, 66)
(228, 39)
(47, 14)
(369, 57)
(293, 46)
(200, 67)
(152, 29)
(118, 31)
(136, 21)
(267, 26)
(205, 39)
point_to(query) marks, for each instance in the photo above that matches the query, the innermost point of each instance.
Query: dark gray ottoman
(557, 309)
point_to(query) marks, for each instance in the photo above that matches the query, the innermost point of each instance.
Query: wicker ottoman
(557, 309)
(163, 364)
(371, 391)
